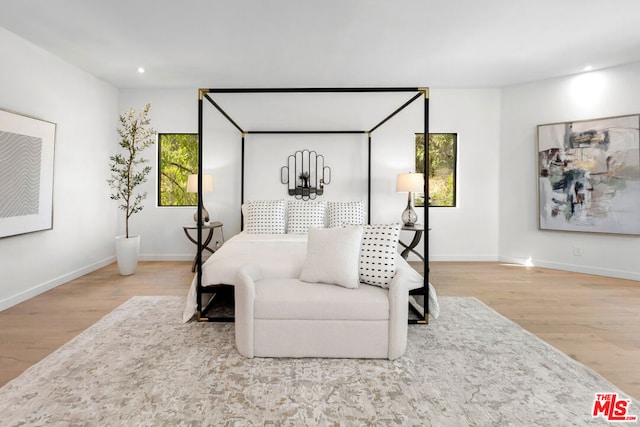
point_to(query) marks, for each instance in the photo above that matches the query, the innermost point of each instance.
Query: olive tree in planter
(128, 171)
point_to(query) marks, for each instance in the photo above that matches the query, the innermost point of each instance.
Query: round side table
(211, 227)
(417, 229)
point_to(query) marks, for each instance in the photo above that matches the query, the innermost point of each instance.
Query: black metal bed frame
(204, 94)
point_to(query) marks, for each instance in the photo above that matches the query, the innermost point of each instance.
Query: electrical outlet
(577, 251)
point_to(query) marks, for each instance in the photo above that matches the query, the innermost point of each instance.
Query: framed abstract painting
(589, 175)
(26, 174)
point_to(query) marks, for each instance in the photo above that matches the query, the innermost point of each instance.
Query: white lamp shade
(410, 182)
(207, 183)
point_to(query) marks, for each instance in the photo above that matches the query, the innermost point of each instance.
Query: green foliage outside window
(178, 158)
(442, 168)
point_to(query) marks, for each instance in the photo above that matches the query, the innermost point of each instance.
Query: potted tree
(127, 173)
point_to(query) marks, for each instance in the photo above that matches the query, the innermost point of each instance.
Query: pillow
(302, 215)
(332, 256)
(378, 254)
(265, 217)
(341, 213)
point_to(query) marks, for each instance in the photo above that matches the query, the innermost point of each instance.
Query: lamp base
(205, 216)
(409, 216)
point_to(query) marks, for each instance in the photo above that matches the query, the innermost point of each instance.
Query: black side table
(211, 227)
(417, 229)
(416, 296)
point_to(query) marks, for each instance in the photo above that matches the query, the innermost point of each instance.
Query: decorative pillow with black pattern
(265, 217)
(341, 213)
(302, 215)
(378, 253)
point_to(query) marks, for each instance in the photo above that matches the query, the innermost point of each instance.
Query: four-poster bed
(202, 285)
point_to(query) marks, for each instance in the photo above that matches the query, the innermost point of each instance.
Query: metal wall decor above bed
(415, 94)
(305, 175)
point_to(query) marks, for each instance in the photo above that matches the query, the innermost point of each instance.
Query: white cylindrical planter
(127, 254)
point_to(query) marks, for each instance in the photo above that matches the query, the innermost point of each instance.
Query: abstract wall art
(26, 174)
(589, 175)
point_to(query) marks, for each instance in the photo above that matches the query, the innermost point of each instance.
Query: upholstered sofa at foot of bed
(277, 317)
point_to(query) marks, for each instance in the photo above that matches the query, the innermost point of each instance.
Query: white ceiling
(298, 43)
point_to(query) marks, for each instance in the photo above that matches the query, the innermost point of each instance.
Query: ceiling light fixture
(141, 70)
(588, 68)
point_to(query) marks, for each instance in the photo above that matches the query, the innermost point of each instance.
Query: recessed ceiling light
(588, 68)
(141, 70)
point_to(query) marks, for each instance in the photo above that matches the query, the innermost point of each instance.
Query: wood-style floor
(593, 319)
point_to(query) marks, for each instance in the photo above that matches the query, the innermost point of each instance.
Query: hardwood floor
(595, 320)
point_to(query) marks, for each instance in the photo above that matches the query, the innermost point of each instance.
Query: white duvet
(278, 255)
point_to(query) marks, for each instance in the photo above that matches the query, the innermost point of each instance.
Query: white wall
(467, 232)
(36, 83)
(592, 95)
(161, 227)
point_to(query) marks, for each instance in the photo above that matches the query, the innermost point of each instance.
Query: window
(442, 168)
(177, 158)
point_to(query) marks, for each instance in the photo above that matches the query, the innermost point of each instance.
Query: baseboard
(596, 271)
(38, 289)
(607, 272)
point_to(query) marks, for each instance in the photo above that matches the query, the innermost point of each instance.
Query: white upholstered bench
(280, 317)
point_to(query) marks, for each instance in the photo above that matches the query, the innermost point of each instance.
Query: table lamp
(411, 183)
(207, 187)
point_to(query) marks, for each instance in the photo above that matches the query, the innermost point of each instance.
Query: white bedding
(278, 255)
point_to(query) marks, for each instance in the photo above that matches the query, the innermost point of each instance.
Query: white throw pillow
(378, 254)
(303, 215)
(341, 213)
(332, 256)
(265, 217)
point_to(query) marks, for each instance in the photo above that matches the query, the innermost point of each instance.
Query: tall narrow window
(177, 158)
(442, 168)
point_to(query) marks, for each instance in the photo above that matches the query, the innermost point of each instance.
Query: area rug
(140, 365)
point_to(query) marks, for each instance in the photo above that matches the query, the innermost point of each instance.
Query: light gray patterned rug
(140, 365)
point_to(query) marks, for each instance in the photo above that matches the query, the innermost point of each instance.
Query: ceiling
(297, 43)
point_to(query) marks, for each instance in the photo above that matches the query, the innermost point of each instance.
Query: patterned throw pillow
(265, 217)
(378, 254)
(302, 215)
(341, 213)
